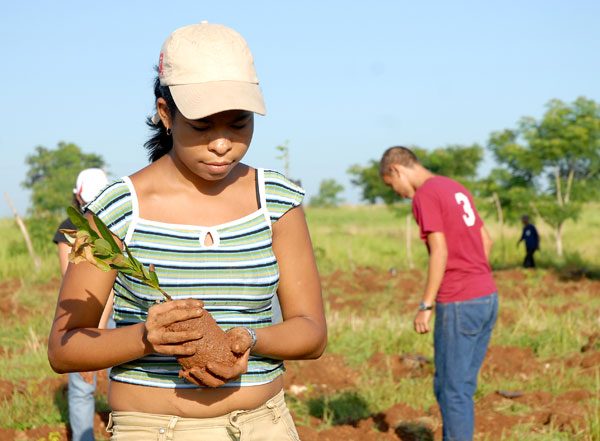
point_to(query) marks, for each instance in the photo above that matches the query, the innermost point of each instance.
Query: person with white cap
(82, 384)
(224, 238)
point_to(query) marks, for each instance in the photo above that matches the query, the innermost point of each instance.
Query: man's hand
(421, 322)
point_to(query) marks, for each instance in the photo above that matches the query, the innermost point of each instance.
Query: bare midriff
(190, 403)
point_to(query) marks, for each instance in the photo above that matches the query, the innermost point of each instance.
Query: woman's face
(211, 147)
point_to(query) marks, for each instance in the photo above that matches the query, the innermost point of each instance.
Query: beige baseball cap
(209, 69)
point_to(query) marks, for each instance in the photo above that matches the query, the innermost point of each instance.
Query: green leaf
(154, 278)
(102, 265)
(121, 269)
(81, 222)
(103, 247)
(106, 234)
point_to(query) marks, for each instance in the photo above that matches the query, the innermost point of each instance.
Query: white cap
(89, 183)
(209, 69)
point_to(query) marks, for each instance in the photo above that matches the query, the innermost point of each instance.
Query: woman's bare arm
(303, 332)
(77, 344)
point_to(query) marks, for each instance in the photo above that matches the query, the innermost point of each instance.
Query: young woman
(225, 238)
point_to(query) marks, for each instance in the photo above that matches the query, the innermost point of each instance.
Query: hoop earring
(169, 131)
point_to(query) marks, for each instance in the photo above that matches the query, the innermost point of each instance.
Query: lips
(217, 167)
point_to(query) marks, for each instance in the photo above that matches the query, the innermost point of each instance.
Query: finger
(206, 378)
(163, 337)
(175, 349)
(240, 340)
(230, 372)
(164, 318)
(178, 304)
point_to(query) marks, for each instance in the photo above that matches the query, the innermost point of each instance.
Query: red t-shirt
(443, 205)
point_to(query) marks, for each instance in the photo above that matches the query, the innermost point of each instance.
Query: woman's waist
(162, 371)
(190, 403)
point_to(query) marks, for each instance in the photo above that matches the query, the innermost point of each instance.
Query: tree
(455, 161)
(553, 164)
(51, 176)
(285, 157)
(328, 195)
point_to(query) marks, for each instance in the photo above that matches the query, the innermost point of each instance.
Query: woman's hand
(223, 373)
(239, 340)
(217, 374)
(156, 336)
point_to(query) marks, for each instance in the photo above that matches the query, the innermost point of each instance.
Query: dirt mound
(326, 375)
(363, 431)
(401, 365)
(593, 343)
(6, 390)
(589, 362)
(510, 362)
(10, 307)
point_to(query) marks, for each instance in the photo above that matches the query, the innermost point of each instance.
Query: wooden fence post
(408, 243)
(37, 262)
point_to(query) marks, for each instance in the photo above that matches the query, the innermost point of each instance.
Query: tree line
(547, 167)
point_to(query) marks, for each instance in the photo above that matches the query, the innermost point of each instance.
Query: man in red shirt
(459, 280)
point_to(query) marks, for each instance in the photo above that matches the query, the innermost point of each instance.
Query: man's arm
(438, 256)
(487, 242)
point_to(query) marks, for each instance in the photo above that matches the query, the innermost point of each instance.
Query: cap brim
(196, 101)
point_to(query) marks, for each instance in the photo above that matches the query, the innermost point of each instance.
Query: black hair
(159, 143)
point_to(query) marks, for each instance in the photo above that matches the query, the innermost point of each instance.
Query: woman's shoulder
(276, 180)
(281, 193)
(115, 206)
(116, 190)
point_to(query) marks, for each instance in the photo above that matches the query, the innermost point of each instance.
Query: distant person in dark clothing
(532, 241)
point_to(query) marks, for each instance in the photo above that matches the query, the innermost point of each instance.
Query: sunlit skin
(202, 182)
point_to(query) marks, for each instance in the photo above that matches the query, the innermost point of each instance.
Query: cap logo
(160, 64)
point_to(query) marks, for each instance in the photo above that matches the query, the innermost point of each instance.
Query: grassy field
(549, 314)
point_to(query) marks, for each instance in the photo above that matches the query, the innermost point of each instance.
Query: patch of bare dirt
(326, 375)
(6, 390)
(401, 365)
(588, 361)
(511, 361)
(10, 307)
(41, 433)
(367, 280)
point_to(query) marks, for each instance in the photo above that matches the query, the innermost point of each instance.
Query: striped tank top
(236, 277)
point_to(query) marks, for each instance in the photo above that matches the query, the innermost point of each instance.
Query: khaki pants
(270, 422)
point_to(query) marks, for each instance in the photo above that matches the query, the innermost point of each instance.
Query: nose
(220, 145)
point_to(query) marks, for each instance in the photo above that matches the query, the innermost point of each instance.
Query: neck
(420, 176)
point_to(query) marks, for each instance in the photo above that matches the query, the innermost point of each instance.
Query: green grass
(345, 239)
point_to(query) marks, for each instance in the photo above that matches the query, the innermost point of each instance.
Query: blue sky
(342, 80)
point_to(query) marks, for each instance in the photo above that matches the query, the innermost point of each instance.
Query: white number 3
(469, 216)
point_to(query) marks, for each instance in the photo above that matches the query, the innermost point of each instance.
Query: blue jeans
(461, 337)
(82, 403)
(81, 407)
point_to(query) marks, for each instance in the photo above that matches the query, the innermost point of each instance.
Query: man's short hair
(396, 155)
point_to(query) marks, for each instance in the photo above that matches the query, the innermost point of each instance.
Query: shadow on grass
(350, 408)
(343, 408)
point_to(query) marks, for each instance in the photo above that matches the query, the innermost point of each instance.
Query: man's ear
(396, 170)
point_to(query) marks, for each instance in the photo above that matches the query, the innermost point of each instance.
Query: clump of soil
(214, 346)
